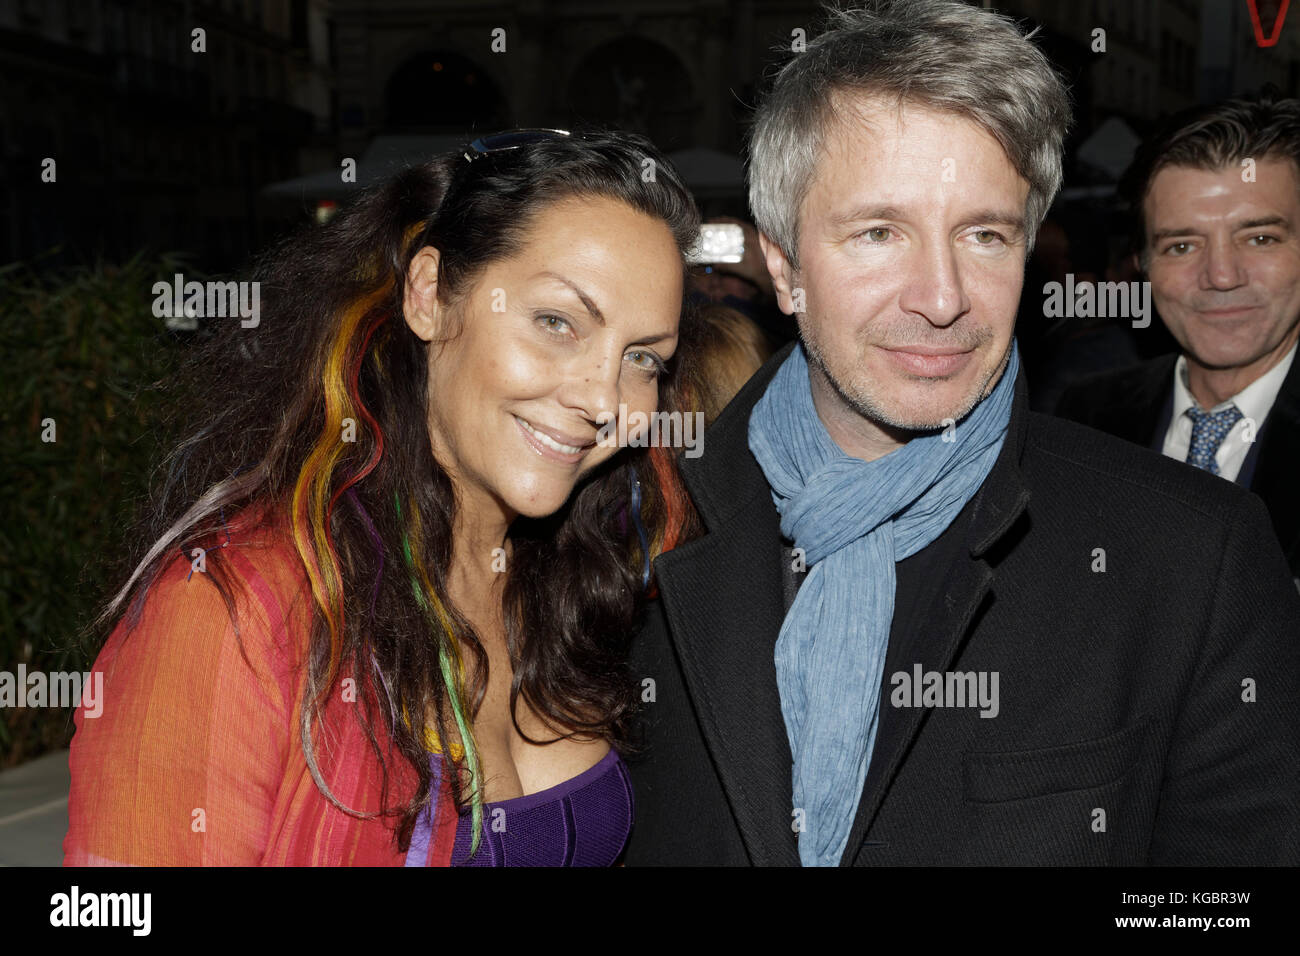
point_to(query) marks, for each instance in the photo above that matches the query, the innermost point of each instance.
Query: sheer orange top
(197, 758)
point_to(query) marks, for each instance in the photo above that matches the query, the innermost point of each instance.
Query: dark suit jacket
(1122, 736)
(1136, 403)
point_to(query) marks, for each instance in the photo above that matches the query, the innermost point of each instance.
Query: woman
(396, 528)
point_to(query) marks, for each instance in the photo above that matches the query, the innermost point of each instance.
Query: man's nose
(934, 289)
(1223, 265)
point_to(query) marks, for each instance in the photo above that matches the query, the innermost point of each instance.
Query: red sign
(1271, 39)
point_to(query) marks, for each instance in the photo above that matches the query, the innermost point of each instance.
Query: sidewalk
(34, 811)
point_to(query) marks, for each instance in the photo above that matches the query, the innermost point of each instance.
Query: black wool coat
(1136, 403)
(1149, 713)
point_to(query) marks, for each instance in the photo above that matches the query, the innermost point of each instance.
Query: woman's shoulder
(194, 711)
(254, 562)
(259, 548)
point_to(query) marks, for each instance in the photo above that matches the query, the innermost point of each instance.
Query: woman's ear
(420, 304)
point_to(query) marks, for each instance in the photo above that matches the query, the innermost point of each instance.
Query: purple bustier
(583, 821)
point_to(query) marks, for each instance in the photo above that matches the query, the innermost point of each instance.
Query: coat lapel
(998, 504)
(723, 600)
(1135, 410)
(724, 613)
(1279, 464)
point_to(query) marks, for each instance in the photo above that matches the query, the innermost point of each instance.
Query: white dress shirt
(1253, 401)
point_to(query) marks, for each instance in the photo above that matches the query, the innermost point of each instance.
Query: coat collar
(1135, 409)
(1132, 411)
(1279, 461)
(722, 595)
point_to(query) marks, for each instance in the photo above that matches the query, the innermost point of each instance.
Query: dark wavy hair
(372, 519)
(1211, 136)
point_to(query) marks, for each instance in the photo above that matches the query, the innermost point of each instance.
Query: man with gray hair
(924, 625)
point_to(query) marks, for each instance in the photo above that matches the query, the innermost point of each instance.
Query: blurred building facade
(681, 72)
(1162, 56)
(155, 144)
(159, 145)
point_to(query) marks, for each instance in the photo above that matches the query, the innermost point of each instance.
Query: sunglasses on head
(508, 140)
(493, 144)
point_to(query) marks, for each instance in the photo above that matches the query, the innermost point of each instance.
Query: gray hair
(943, 55)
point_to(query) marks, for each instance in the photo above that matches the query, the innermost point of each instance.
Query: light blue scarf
(853, 519)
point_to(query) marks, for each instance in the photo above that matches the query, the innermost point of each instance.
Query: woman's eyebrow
(588, 303)
(652, 339)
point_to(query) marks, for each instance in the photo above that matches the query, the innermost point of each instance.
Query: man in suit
(924, 625)
(1216, 201)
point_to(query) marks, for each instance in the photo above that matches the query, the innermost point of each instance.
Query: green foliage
(81, 347)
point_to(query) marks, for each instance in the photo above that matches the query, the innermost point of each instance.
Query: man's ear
(1137, 263)
(420, 298)
(782, 273)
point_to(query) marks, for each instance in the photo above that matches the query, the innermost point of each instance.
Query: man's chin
(929, 407)
(1222, 359)
(921, 424)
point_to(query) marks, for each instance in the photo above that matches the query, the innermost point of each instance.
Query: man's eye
(877, 235)
(987, 237)
(1264, 239)
(1178, 248)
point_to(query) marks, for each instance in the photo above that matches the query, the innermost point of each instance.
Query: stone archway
(442, 91)
(639, 85)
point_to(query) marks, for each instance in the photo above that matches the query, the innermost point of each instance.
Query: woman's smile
(547, 443)
(573, 326)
